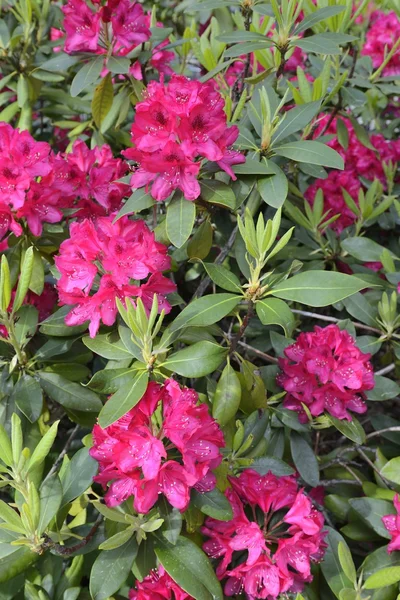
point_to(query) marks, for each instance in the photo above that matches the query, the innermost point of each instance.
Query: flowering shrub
(199, 300)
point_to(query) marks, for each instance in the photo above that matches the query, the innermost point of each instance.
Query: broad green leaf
(181, 214)
(346, 561)
(108, 381)
(104, 346)
(274, 188)
(189, 567)
(254, 167)
(119, 65)
(78, 475)
(364, 249)
(138, 201)
(244, 36)
(16, 562)
(117, 540)
(314, 153)
(317, 16)
(5, 447)
(353, 430)
(86, 76)
(318, 288)
(359, 308)
(111, 569)
(270, 463)
(391, 470)
(223, 277)
(69, 394)
(60, 62)
(196, 361)
(172, 526)
(5, 284)
(55, 324)
(371, 511)
(43, 448)
(26, 323)
(11, 517)
(304, 459)
(200, 244)
(384, 389)
(272, 311)
(330, 566)
(383, 578)
(227, 396)
(37, 279)
(378, 560)
(24, 279)
(102, 99)
(295, 119)
(206, 311)
(50, 501)
(217, 192)
(28, 397)
(244, 48)
(124, 399)
(213, 504)
(323, 43)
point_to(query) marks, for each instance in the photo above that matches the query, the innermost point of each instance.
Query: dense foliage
(199, 299)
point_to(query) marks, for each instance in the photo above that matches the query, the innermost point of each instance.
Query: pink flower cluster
(392, 524)
(271, 552)
(380, 39)
(104, 257)
(116, 28)
(175, 125)
(36, 184)
(143, 460)
(158, 586)
(43, 303)
(325, 371)
(360, 161)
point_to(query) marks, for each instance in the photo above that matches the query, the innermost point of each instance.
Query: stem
(263, 355)
(386, 430)
(9, 325)
(379, 70)
(372, 465)
(63, 452)
(243, 327)
(68, 550)
(386, 370)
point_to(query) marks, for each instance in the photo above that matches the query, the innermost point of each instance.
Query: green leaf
(69, 394)
(181, 214)
(324, 43)
(391, 470)
(330, 566)
(317, 16)
(378, 560)
(227, 396)
(111, 569)
(108, 381)
(244, 36)
(28, 397)
(346, 561)
(217, 192)
(273, 189)
(103, 346)
(37, 279)
(213, 504)
(22, 91)
(200, 244)
(311, 152)
(60, 62)
(270, 463)
(223, 277)
(359, 308)
(16, 562)
(43, 448)
(272, 311)
(189, 567)
(172, 526)
(353, 430)
(371, 511)
(124, 399)
(196, 361)
(304, 459)
(385, 389)
(11, 517)
(295, 119)
(78, 475)
(318, 288)
(138, 201)
(244, 48)
(254, 167)
(55, 324)
(364, 249)
(206, 311)
(102, 99)
(5, 447)
(50, 501)
(86, 76)
(383, 578)
(26, 323)
(24, 279)
(117, 540)
(119, 65)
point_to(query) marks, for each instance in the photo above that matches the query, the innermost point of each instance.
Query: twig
(381, 431)
(306, 313)
(371, 464)
(64, 451)
(352, 473)
(387, 369)
(242, 329)
(266, 357)
(329, 482)
(68, 550)
(220, 259)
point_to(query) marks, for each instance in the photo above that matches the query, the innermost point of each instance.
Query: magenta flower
(261, 556)
(392, 524)
(136, 460)
(158, 586)
(176, 126)
(102, 261)
(325, 371)
(381, 36)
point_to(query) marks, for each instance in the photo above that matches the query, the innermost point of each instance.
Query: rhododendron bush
(199, 300)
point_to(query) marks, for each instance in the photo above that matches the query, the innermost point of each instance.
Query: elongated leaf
(119, 64)
(371, 511)
(140, 200)
(272, 311)
(227, 396)
(109, 381)
(102, 99)
(24, 279)
(222, 277)
(304, 459)
(391, 470)
(217, 192)
(103, 345)
(274, 188)
(295, 119)
(43, 447)
(60, 62)
(244, 48)
(86, 76)
(351, 429)
(28, 397)
(55, 324)
(78, 476)
(318, 288)
(189, 567)
(331, 567)
(69, 394)
(50, 501)
(111, 569)
(206, 311)
(311, 152)
(213, 504)
(196, 361)
(317, 16)
(124, 399)
(364, 249)
(181, 214)
(323, 43)
(383, 578)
